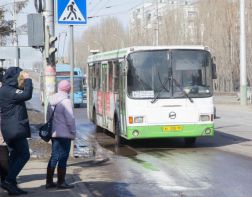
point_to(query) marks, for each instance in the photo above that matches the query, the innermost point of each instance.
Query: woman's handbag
(45, 131)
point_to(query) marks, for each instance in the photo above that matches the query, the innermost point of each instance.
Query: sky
(99, 8)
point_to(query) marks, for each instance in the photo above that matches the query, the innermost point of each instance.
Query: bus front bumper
(162, 131)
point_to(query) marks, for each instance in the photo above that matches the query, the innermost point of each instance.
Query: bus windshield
(169, 74)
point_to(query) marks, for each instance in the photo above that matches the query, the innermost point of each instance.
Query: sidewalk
(33, 176)
(233, 124)
(32, 179)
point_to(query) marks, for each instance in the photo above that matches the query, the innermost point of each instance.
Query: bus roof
(121, 53)
(66, 67)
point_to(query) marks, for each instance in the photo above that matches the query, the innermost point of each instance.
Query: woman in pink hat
(64, 131)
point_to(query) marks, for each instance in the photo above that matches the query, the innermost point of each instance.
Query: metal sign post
(71, 12)
(72, 62)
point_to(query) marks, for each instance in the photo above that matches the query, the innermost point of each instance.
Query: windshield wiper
(161, 89)
(182, 90)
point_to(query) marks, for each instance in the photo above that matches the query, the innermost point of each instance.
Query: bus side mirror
(214, 71)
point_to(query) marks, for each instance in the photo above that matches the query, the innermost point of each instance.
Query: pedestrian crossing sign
(71, 12)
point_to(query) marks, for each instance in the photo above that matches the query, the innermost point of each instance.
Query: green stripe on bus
(194, 130)
(108, 55)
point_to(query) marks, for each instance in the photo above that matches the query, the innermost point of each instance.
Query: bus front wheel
(190, 141)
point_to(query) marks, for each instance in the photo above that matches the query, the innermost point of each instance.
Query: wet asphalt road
(163, 168)
(166, 167)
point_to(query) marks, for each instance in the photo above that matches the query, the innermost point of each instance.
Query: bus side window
(116, 73)
(97, 76)
(91, 79)
(104, 86)
(110, 77)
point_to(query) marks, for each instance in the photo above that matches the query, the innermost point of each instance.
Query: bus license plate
(172, 128)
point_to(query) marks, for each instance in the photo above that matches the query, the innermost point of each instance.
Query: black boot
(12, 189)
(3, 174)
(22, 191)
(61, 179)
(49, 178)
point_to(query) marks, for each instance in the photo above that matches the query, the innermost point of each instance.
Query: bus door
(122, 96)
(104, 92)
(91, 88)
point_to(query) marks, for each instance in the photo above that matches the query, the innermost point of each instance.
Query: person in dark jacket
(15, 124)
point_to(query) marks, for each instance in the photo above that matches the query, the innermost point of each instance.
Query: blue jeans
(18, 156)
(60, 152)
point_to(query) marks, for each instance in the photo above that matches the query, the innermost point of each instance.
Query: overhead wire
(103, 6)
(116, 13)
(97, 4)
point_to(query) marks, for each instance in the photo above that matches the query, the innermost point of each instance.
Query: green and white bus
(152, 92)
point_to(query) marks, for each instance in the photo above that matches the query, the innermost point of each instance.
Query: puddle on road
(145, 164)
(124, 151)
(108, 143)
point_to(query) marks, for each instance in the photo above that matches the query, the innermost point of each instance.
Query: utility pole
(243, 72)
(157, 27)
(15, 36)
(49, 53)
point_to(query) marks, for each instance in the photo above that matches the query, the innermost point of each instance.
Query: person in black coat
(16, 89)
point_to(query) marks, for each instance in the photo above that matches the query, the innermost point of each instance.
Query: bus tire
(190, 141)
(118, 138)
(97, 128)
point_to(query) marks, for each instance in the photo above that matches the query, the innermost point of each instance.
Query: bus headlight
(205, 118)
(208, 131)
(138, 119)
(135, 133)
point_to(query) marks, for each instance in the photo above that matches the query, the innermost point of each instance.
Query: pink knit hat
(64, 86)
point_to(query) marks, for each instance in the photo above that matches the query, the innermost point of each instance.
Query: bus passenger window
(116, 76)
(97, 77)
(110, 77)
(92, 82)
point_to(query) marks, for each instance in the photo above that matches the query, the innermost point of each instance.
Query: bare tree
(109, 34)
(214, 23)
(6, 26)
(220, 21)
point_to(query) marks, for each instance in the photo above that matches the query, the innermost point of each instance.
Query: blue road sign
(71, 12)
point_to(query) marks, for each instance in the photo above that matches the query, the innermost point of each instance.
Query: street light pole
(243, 73)
(15, 37)
(157, 27)
(49, 68)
